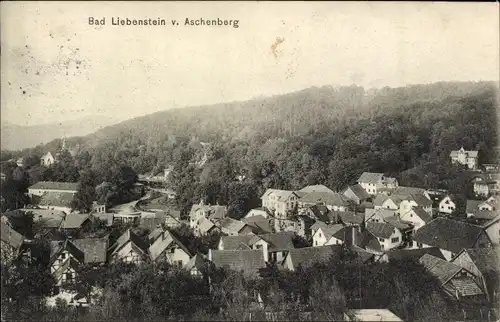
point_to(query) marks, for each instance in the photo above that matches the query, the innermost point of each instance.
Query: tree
(86, 193)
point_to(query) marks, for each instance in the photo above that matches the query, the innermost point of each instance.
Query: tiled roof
(465, 286)
(370, 177)
(279, 241)
(74, 221)
(232, 225)
(57, 246)
(420, 199)
(205, 225)
(346, 234)
(94, 249)
(233, 242)
(10, 236)
(396, 222)
(448, 234)
(281, 195)
(151, 223)
(407, 191)
(155, 233)
(213, 212)
(379, 230)
(47, 218)
(384, 213)
(55, 199)
(318, 224)
(247, 261)
(127, 236)
(486, 259)
(330, 230)
(350, 217)
(307, 256)
(439, 267)
(51, 185)
(198, 262)
(469, 154)
(419, 211)
(325, 198)
(259, 224)
(472, 206)
(359, 191)
(163, 242)
(318, 188)
(401, 254)
(319, 211)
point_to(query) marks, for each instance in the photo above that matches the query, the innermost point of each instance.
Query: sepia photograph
(250, 161)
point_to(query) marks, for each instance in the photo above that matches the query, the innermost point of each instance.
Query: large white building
(468, 158)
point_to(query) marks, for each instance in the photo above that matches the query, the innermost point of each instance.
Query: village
(375, 218)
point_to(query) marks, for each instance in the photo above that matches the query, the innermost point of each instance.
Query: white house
(323, 235)
(281, 202)
(129, 248)
(168, 248)
(415, 200)
(261, 211)
(446, 205)
(468, 158)
(372, 181)
(47, 159)
(386, 202)
(417, 216)
(42, 187)
(387, 235)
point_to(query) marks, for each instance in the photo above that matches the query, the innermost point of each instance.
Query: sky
(56, 67)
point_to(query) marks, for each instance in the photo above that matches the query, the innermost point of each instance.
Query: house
(308, 256)
(383, 201)
(346, 218)
(324, 234)
(281, 202)
(415, 200)
(11, 242)
(53, 195)
(483, 263)
(378, 215)
(259, 224)
(486, 184)
(274, 246)
(316, 212)
(42, 187)
(456, 281)
(357, 193)
(468, 158)
(233, 227)
(197, 266)
(98, 208)
(487, 167)
(68, 255)
(261, 211)
(445, 205)
(417, 216)
(492, 229)
(404, 191)
(248, 261)
(483, 210)
(47, 159)
(451, 236)
(129, 248)
(313, 188)
(126, 213)
(332, 200)
(158, 219)
(371, 315)
(205, 227)
(410, 254)
(72, 224)
(167, 247)
(214, 213)
(387, 235)
(371, 182)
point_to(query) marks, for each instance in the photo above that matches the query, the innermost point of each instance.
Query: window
(419, 245)
(63, 256)
(381, 239)
(395, 240)
(172, 250)
(258, 246)
(178, 263)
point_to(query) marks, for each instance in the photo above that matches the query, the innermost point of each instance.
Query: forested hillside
(317, 135)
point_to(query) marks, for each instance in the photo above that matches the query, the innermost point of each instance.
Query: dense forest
(318, 135)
